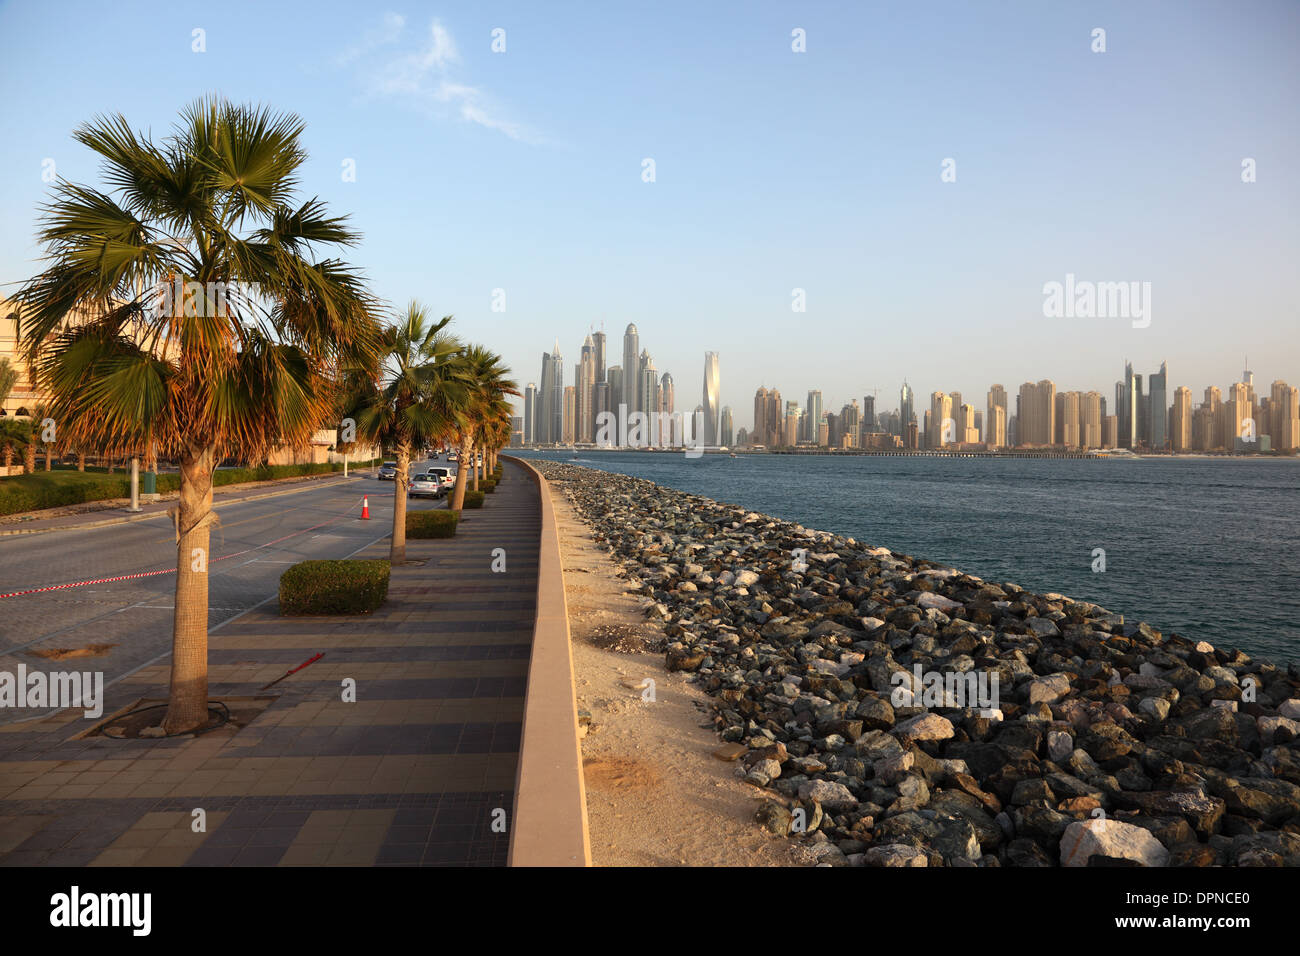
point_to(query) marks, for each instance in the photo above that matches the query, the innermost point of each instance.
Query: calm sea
(1206, 548)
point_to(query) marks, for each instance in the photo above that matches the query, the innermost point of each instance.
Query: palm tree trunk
(187, 702)
(29, 457)
(48, 455)
(462, 475)
(81, 461)
(9, 456)
(397, 552)
(473, 468)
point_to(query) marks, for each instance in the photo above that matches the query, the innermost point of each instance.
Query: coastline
(821, 657)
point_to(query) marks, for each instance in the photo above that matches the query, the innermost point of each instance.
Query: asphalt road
(251, 547)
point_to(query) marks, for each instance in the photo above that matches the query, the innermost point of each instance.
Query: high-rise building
(672, 435)
(756, 435)
(813, 416)
(598, 340)
(851, 425)
(966, 431)
(516, 431)
(727, 437)
(790, 433)
(1180, 421)
(1036, 413)
(585, 383)
(631, 369)
(530, 413)
(600, 407)
(1284, 414)
(712, 397)
(1069, 420)
(648, 396)
(942, 428)
(1127, 395)
(869, 414)
(1109, 431)
(906, 415)
(570, 414)
(995, 434)
(1158, 410)
(614, 375)
(1092, 409)
(549, 426)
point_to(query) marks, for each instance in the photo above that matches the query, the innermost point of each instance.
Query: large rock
(832, 796)
(924, 727)
(1048, 689)
(895, 854)
(1112, 839)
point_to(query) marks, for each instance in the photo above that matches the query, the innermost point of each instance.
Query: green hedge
(431, 524)
(474, 499)
(57, 489)
(487, 485)
(334, 587)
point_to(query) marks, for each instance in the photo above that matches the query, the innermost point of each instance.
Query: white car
(446, 475)
(427, 485)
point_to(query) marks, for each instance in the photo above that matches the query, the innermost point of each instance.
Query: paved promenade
(415, 772)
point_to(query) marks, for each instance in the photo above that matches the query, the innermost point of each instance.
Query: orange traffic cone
(365, 508)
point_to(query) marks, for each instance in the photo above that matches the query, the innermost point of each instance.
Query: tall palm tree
(240, 361)
(414, 402)
(490, 383)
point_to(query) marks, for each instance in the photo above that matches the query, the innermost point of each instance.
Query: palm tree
(414, 402)
(240, 361)
(13, 436)
(490, 385)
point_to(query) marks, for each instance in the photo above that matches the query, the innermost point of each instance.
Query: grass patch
(431, 524)
(334, 587)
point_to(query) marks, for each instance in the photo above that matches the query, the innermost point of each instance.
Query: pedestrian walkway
(419, 770)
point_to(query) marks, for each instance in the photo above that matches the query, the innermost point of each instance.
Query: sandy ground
(656, 796)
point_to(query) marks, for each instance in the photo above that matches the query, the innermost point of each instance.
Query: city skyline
(497, 228)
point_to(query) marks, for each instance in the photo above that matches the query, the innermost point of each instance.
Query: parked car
(388, 471)
(447, 476)
(452, 456)
(427, 485)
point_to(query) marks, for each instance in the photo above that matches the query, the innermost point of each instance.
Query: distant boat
(734, 455)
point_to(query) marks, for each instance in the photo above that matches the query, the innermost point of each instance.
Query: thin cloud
(423, 78)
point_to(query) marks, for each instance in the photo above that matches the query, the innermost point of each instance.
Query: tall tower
(667, 405)
(530, 413)
(598, 339)
(712, 386)
(1158, 411)
(557, 394)
(631, 370)
(813, 416)
(584, 425)
(543, 403)
(727, 436)
(995, 425)
(906, 414)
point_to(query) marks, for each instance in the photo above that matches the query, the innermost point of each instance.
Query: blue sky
(774, 170)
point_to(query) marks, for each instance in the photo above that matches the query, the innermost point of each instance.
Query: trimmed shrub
(487, 486)
(334, 587)
(474, 499)
(431, 524)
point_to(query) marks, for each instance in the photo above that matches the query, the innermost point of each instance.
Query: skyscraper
(868, 414)
(758, 435)
(1180, 422)
(790, 431)
(813, 417)
(942, 429)
(712, 387)
(585, 383)
(557, 394)
(1092, 409)
(667, 405)
(995, 427)
(648, 392)
(549, 417)
(615, 376)
(1036, 413)
(631, 370)
(569, 414)
(1126, 407)
(906, 415)
(598, 340)
(1158, 411)
(530, 413)
(727, 436)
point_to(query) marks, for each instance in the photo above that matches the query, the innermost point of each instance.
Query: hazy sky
(774, 170)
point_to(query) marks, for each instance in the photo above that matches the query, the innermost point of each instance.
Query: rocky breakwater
(842, 677)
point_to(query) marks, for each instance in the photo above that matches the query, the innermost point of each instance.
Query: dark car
(388, 471)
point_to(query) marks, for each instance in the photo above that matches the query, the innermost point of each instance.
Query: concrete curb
(550, 814)
(216, 503)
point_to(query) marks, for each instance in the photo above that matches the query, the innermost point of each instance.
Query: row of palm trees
(295, 341)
